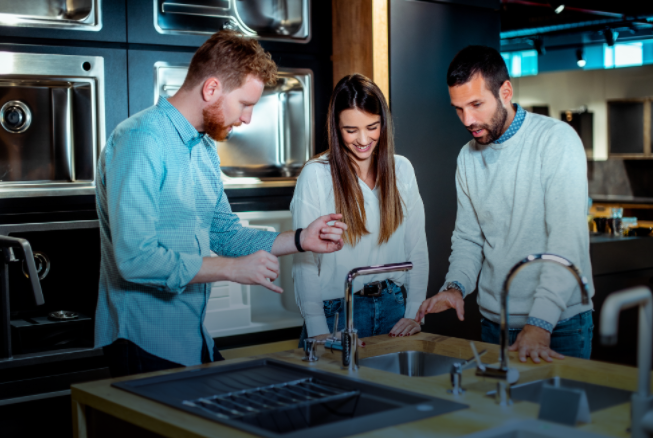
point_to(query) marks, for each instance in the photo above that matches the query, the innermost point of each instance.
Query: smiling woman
(360, 177)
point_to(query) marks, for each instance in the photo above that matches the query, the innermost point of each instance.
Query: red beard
(214, 124)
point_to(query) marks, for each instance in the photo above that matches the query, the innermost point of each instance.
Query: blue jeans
(571, 337)
(372, 315)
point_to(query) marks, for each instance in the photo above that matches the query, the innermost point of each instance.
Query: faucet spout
(582, 282)
(350, 335)
(612, 306)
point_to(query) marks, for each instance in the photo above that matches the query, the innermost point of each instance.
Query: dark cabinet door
(85, 20)
(424, 38)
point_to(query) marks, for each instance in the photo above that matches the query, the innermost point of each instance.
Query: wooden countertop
(482, 414)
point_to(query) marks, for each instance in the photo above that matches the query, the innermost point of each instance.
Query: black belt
(373, 289)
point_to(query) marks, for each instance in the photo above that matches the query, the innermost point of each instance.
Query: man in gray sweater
(522, 189)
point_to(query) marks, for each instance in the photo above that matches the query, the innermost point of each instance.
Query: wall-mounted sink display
(411, 363)
(271, 398)
(51, 123)
(64, 14)
(279, 139)
(266, 19)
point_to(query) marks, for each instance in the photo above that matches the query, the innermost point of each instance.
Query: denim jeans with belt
(372, 315)
(570, 337)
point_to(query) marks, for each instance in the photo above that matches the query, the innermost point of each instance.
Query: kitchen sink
(533, 429)
(73, 14)
(599, 396)
(411, 363)
(272, 398)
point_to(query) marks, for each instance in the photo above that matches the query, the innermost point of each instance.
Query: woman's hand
(405, 327)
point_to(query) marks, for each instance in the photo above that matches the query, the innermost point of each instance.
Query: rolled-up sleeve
(133, 194)
(230, 239)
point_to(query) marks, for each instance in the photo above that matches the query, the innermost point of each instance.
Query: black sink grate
(267, 400)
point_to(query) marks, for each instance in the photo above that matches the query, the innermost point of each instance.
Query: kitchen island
(102, 410)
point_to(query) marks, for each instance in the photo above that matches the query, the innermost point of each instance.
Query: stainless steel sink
(279, 139)
(599, 396)
(51, 123)
(72, 14)
(265, 19)
(411, 363)
(272, 398)
(533, 429)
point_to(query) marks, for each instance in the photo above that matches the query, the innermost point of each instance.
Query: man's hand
(321, 237)
(447, 299)
(405, 327)
(534, 342)
(260, 268)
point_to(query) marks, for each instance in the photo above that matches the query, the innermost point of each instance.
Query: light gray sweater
(525, 196)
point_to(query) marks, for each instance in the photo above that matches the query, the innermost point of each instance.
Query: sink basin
(271, 398)
(533, 429)
(598, 396)
(411, 363)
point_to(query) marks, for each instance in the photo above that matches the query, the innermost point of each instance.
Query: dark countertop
(613, 254)
(621, 199)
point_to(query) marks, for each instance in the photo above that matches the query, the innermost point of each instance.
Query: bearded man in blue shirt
(163, 209)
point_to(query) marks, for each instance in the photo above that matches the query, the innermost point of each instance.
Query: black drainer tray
(274, 399)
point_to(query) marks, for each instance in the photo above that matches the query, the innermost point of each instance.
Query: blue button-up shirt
(162, 209)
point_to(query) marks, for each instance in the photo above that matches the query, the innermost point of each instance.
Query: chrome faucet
(350, 334)
(641, 407)
(503, 373)
(9, 248)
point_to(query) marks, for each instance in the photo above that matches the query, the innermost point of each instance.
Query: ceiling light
(610, 36)
(558, 7)
(538, 44)
(580, 58)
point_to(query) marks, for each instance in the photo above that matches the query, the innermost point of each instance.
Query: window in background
(623, 54)
(522, 63)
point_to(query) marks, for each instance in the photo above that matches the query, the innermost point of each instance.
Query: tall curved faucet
(350, 334)
(533, 258)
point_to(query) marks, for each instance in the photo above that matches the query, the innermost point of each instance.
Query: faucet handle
(477, 356)
(309, 350)
(334, 335)
(458, 368)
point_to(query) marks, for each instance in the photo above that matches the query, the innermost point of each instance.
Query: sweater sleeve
(467, 241)
(564, 180)
(305, 269)
(415, 247)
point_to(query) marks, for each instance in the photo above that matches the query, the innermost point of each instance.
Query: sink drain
(15, 116)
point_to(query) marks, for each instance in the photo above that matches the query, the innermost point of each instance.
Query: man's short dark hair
(478, 59)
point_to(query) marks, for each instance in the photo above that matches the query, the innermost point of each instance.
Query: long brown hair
(358, 92)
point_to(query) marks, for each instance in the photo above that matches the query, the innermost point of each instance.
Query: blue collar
(520, 115)
(187, 132)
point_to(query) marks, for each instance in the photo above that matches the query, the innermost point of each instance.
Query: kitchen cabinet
(630, 124)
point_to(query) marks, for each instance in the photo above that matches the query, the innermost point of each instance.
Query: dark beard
(214, 125)
(494, 129)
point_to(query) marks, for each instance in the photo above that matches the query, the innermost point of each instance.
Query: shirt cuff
(537, 322)
(189, 267)
(316, 325)
(545, 310)
(457, 283)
